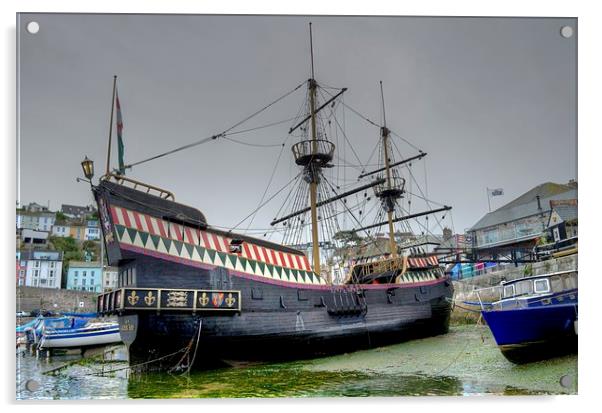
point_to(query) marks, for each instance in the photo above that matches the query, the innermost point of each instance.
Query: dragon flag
(119, 124)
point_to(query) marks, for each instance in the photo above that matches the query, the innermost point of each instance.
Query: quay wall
(464, 290)
(53, 299)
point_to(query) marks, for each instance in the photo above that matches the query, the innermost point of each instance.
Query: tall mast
(313, 185)
(390, 185)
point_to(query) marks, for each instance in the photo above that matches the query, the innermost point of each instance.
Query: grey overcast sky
(491, 100)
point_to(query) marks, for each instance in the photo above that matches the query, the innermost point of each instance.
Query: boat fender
(282, 302)
(575, 325)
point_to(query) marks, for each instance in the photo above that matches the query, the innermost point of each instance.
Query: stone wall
(32, 298)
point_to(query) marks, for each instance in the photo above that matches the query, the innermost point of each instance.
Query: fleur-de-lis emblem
(204, 299)
(133, 298)
(230, 300)
(150, 298)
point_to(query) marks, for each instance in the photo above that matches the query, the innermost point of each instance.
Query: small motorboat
(90, 335)
(536, 317)
(33, 330)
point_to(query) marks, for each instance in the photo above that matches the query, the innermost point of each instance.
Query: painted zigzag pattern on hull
(163, 237)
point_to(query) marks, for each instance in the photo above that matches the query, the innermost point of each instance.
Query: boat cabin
(537, 290)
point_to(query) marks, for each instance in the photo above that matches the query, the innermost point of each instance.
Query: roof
(41, 255)
(84, 264)
(76, 209)
(526, 204)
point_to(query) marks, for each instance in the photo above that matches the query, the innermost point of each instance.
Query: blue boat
(536, 317)
(90, 335)
(34, 329)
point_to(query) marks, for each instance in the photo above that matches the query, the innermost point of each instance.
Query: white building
(42, 268)
(61, 230)
(92, 231)
(38, 221)
(109, 278)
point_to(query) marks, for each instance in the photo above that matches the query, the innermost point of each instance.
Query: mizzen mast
(392, 189)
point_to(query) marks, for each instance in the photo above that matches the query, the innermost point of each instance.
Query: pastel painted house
(85, 276)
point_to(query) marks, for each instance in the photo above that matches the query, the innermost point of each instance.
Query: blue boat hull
(534, 333)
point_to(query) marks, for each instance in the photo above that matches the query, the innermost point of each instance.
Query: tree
(60, 218)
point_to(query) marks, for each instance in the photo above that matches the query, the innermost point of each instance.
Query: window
(524, 287)
(43, 281)
(556, 282)
(75, 281)
(37, 264)
(51, 273)
(36, 273)
(52, 264)
(542, 286)
(84, 281)
(51, 283)
(83, 273)
(508, 291)
(76, 273)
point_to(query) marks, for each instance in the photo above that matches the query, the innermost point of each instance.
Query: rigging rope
(216, 136)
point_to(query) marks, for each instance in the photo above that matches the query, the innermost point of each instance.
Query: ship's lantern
(88, 167)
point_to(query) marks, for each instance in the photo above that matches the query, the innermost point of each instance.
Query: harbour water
(464, 362)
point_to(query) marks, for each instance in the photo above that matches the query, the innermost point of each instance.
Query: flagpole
(488, 199)
(111, 125)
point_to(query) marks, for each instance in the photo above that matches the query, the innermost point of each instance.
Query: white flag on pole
(496, 192)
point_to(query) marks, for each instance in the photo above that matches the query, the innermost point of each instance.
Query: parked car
(23, 314)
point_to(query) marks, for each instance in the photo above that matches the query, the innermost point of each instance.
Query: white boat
(94, 334)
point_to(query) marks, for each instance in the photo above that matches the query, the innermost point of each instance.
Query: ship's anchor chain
(186, 367)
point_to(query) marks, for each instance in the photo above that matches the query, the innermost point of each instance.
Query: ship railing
(396, 189)
(140, 186)
(315, 150)
(391, 264)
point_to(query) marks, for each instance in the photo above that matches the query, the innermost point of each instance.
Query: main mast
(313, 154)
(313, 185)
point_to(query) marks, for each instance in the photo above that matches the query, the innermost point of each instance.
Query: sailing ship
(191, 291)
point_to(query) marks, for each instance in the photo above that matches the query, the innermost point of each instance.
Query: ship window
(524, 287)
(508, 291)
(556, 282)
(542, 286)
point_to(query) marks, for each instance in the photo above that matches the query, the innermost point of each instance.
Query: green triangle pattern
(287, 272)
(132, 234)
(252, 264)
(211, 255)
(143, 237)
(222, 257)
(179, 246)
(120, 230)
(261, 266)
(189, 249)
(232, 260)
(243, 262)
(309, 275)
(155, 239)
(201, 251)
(167, 243)
(270, 270)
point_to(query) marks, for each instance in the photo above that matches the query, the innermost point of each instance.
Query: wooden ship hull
(186, 288)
